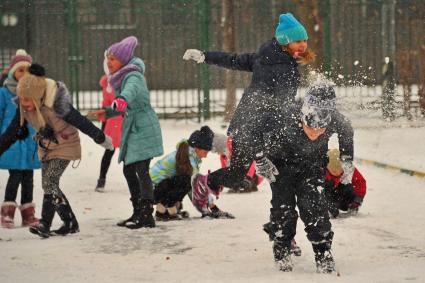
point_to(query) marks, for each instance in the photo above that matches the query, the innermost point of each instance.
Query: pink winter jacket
(113, 127)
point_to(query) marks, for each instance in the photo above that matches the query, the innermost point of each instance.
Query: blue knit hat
(289, 30)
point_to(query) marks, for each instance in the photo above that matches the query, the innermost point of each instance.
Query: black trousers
(299, 188)
(105, 163)
(234, 175)
(138, 180)
(25, 178)
(340, 197)
(171, 190)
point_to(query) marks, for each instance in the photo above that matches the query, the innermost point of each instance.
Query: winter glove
(348, 167)
(107, 144)
(22, 132)
(265, 167)
(217, 213)
(356, 203)
(119, 105)
(194, 54)
(47, 133)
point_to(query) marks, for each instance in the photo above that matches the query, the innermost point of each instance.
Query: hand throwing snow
(195, 55)
(265, 167)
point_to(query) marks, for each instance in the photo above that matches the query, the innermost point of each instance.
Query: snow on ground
(385, 242)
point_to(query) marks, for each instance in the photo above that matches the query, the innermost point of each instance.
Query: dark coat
(274, 83)
(285, 143)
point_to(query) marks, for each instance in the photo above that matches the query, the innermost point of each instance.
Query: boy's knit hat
(124, 50)
(319, 103)
(202, 139)
(334, 162)
(20, 59)
(289, 30)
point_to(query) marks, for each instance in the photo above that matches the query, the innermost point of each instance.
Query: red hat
(20, 59)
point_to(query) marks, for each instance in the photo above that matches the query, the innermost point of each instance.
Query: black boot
(47, 213)
(136, 214)
(145, 218)
(282, 255)
(70, 224)
(100, 187)
(324, 260)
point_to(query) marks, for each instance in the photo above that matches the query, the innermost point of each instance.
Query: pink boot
(200, 192)
(27, 212)
(7, 214)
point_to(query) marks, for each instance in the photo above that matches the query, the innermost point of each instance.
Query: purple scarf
(116, 79)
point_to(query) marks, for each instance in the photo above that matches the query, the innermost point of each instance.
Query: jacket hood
(139, 63)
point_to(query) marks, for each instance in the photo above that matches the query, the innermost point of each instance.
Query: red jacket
(113, 127)
(358, 182)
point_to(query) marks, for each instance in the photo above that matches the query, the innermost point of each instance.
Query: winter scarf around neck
(115, 80)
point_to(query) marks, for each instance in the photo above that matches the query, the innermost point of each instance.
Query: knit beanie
(123, 50)
(289, 30)
(20, 59)
(334, 164)
(33, 85)
(202, 139)
(319, 103)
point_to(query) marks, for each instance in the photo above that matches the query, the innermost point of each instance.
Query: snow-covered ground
(385, 242)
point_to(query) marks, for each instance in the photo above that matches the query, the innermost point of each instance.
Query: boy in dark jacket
(46, 105)
(295, 147)
(273, 87)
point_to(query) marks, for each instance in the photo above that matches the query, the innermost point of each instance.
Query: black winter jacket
(274, 83)
(285, 143)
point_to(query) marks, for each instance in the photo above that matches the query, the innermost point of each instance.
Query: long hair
(304, 58)
(183, 166)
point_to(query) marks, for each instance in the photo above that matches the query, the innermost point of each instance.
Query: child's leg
(27, 186)
(141, 191)
(27, 206)
(314, 213)
(105, 163)
(283, 220)
(51, 172)
(12, 185)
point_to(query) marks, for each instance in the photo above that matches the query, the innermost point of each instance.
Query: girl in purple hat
(141, 138)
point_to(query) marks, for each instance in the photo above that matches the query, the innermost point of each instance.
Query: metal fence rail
(351, 37)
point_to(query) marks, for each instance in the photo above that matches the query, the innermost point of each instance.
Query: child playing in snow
(172, 174)
(20, 159)
(141, 138)
(47, 106)
(296, 145)
(222, 145)
(275, 79)
(339, 196)
(111, 127)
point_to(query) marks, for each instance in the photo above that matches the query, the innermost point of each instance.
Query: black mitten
(22, 132)
(48, 133)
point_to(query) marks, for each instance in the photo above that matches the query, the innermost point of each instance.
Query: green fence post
(204, 19)
(72, 52)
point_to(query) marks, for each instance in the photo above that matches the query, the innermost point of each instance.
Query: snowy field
(385, 242)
